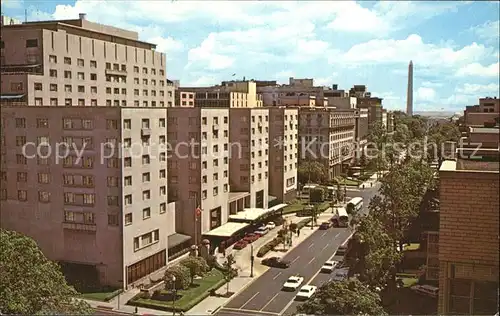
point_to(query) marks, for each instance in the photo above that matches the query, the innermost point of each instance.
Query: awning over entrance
(252, 214)
(11, 96)
(277, 207)
(177, 239)
(233, 196)
(226, 230)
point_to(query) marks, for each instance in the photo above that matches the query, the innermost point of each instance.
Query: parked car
(262, 231)
(306, 292)
(428, 290)
(240, 245)
(271, 225)
(251, 237)
(341, 251)
(325, 225)
(276, 262)
(293, 283)
(329, 266)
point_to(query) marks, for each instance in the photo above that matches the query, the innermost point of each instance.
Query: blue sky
(454, 45)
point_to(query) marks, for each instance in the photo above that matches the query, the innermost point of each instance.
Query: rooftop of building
(91, 29)
(471, 165)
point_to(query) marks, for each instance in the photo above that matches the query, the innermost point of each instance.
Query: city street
(264, 296)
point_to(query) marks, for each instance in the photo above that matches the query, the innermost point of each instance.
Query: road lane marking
(337, 235)
(270, 301)
(251, 298)
(295, 259)
(310, 246)
(277, 275)
(325, 246)
(311, 260)
(245, 311)
(323, 234)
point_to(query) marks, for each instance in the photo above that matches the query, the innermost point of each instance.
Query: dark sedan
(276, 262)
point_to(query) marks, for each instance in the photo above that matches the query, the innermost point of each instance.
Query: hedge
(303, 223)
(112, 295)
(269, 246)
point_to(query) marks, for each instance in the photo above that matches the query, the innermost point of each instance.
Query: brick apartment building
(469, 218)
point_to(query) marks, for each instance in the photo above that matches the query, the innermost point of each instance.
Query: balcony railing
(80, 226)
(116, 72)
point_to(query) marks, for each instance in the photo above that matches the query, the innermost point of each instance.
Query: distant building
(409, 95)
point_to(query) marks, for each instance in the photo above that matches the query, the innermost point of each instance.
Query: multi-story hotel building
(283, 152)
(79, 82)
(77, 62)
(327, 134)
(487, 111)
(198, 166)
(249, 130)
(99, 206)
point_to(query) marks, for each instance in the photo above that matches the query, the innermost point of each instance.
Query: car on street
(293, 283)
(325, 225)
(341, 251)
(262, 231)
(251, 237)
(240, 245)
(271, 225)
(329, 266)
(276, 262)
(306, 292)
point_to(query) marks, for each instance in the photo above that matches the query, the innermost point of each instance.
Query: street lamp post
(174, 293)
(251, 260)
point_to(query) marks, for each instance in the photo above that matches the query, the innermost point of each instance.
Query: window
(31, 43)
(43, 178)
(112, 200)
(53, 73)
(53, 59)
(163, 190)
(22, 195)
(146, 160)
(146, 195)
(128, 181)
(162, 174)
(146, 213)
(128, 218)
(20, 141)
(80, 62)
(43, 196)
(42, 123)
(67, 60)
(113, 220)
(128, 199)
(146, 177)
(22, 176)
(127, 124)
(67, 74)
(81, 76)
(112, 181)
(38, 86)
(21, 159)
(163, 208)
(93, 64)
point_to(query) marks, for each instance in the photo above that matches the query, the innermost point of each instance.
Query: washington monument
(409, 93)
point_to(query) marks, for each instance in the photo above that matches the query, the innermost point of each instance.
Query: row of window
(22, 196)
(146, 240)
(109, 66)
(93, 102)
(146, 195)
(146, 213)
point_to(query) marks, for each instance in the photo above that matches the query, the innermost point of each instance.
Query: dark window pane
(459, 305)
(485, 307)
(487, 290)
(460, 287)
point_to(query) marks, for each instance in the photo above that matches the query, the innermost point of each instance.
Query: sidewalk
(118, 305)
(242, 257)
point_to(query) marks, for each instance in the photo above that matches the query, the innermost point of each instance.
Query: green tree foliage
(312, 171)
(372, 256)
(349, 297)
(182, 277)
(229, 271)
(30, 283)
(196, 266)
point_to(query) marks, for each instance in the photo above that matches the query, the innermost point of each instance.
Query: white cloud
(392, 51)
(326, 81)
(478, 90)
(488, 30)
(430, 84)
(425, 94)
(478, 70)
(390, 101)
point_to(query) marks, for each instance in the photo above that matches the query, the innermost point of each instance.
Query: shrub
(303, 223)
(182, 277)
(211, 262)
(269, 246)
(317, 195)
(196, 266)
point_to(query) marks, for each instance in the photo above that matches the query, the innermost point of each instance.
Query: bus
(356, 204)
(304, 193)
(340, 219)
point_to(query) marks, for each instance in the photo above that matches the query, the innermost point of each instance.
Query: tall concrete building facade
(87, 85)
(409, 93)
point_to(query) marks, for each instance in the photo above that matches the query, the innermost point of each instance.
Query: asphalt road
(264, 295)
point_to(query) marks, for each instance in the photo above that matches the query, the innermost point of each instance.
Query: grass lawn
(190, 297)
(103, 296)
(292, 208)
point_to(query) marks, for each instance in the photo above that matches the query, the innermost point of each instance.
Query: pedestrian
(298, 232)
(371, 184)
(363, 185)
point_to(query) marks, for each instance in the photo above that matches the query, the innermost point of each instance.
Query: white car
(329, 266)
(262, 231)
(293, 283)
(271, 225)
(306, 292)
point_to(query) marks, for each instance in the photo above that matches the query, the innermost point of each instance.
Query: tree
(182, 277)
(196, 266)
(312, 171)
(229, 272)
(372, 256)
(349, 297)
(30, 283)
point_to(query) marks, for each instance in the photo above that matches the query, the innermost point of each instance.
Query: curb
(215, 310)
